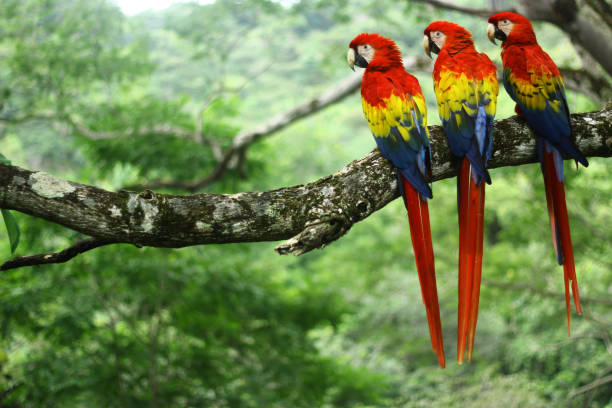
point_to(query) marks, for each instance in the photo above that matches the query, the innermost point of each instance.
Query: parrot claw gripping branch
(395, 109)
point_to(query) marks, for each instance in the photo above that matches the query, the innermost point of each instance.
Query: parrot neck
(459, 43)
(385, 59)
(521, 35)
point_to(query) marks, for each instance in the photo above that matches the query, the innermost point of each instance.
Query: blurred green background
(237, 325)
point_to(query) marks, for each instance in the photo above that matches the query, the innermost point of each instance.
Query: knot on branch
(316, 234)
(143, 210)
(147, 194)
(363, 208)
(327, 223)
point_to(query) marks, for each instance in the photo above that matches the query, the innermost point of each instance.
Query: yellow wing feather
(395, 111)
(455, 92)
(541, 90)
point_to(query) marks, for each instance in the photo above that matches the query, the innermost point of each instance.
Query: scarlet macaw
(533, 81)
(395, 109)
(465, 83)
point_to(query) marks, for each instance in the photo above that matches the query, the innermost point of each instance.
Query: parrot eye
(437, 33)
(504, 22)
(365, 47)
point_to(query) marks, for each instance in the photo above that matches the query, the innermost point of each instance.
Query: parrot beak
(491, 33)
(354, 58)
(494, 32)
(429, 46)
(350, 57)
(426, 46)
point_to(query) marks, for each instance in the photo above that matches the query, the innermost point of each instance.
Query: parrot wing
(467, 105)
(533, 81)
(395, 109)
(399, 125)
(466, 90)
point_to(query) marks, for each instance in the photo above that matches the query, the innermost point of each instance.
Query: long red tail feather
(463, 189)
(420, 232)
(559, 223)
(471, 222)
(479, 219)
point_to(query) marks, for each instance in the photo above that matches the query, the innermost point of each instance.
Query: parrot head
(373, 50)
(441, 33)
(510, 28)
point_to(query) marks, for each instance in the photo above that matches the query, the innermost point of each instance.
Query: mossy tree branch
(309, 215)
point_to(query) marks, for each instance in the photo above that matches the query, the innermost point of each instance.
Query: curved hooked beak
(350, 57)
(494, 32)
(426, 46)
(429, 46)
(354, 58)
(491, 33)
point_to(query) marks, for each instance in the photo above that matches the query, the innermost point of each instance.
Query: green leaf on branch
(12, 228)
(9, 220)
(4, 159)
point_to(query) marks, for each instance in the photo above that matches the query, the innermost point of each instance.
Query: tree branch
(593, 385)
(244, 139)
(67, 254)
(595, 87)
(314, 214)
(167, 129)
(247, 137)
(479, 12)
(603, 10)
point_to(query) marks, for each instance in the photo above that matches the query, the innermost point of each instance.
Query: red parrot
(465, 83)
(533, 81)
(395, 109)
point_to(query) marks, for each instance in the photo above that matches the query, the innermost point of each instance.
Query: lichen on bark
(310, 215)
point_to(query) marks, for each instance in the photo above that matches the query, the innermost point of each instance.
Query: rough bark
(314, 214)
(65, 255)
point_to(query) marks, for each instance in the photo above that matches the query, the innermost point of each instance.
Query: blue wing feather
(550, 123)
(410, 159)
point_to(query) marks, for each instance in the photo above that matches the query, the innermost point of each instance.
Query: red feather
(471, 221)
(479, 219)
(559, 224)
(525, 63)
(464, 182)
(522, 30)
(385, 77)
(420, 232)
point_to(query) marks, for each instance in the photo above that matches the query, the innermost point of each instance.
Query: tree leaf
(12, 228)
(4, 159)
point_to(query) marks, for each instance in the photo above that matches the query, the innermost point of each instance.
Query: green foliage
(12, 228)
(87, 92)
(56, 51)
